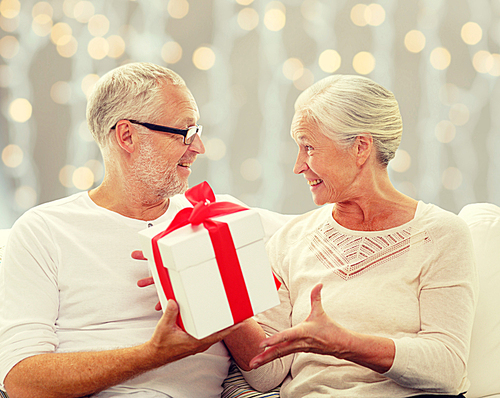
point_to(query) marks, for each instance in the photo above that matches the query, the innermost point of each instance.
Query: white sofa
(484, 361)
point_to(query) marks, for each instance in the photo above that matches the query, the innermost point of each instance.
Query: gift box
(215, 267)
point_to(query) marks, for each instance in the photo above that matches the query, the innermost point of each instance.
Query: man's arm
(85, 373)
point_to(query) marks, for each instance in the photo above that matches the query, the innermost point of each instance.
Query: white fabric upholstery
(4, 233)
(484, 360)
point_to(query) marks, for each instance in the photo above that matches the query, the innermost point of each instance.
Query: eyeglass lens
(191, 134)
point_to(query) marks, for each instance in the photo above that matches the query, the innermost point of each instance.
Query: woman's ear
(364, 148)
(125, 135)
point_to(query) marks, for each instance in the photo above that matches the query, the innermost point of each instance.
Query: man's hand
(170, 343)
(138, 255)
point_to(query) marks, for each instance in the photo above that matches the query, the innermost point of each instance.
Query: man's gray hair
(346, 106)
(132, 91)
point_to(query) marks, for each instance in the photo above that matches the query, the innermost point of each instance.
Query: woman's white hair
(346, 106)
(132, 91)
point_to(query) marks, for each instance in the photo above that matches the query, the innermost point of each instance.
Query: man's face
(164, 162)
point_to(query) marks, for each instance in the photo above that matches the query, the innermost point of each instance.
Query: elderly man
(73, 321)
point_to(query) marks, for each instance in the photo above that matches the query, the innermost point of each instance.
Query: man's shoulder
(62, 208)
(71, 200)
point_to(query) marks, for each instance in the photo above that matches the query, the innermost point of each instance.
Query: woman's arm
(321, 335)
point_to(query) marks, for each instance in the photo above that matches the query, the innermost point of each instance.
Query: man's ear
(364, 147)
(125, 135)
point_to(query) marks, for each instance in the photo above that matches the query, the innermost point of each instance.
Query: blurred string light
(215, 149)
(363, 15)
(116, 46)
(98, 48)
(329, 61)
(82, 178)
(178, 9)
(459, 114)
(12, 156)
(401, 161)
(293, 68)
(88, 83)
(440, 58)
(415, 41)
(275, 16)
(363, 62)
(203, 58)
(20, 110)
(171, 52)
(86, 32)
(452, 178)
(98, 25)
(25, 197)
(9, 47)
(445, 131)
(42, 8)
(9, 24)
(251, 169)
(83, 11)
(248, 18)
(471, 33)
(10, 8)
(60, 92)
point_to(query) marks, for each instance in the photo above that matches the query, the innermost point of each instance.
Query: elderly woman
(381, 285)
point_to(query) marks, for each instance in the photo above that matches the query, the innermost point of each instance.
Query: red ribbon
(202, 198)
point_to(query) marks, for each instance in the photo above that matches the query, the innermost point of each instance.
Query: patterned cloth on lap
(235, 386)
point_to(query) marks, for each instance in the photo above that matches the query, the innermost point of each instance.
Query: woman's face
(329, 169)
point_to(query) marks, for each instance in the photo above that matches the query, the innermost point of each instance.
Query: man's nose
(197, 145)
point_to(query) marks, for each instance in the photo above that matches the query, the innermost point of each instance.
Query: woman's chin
(319, 200)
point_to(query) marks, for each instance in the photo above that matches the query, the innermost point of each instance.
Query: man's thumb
(171, 312)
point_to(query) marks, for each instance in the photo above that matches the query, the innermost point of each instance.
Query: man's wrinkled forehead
(178, 99)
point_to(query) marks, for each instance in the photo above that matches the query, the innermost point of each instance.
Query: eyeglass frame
(188, 138)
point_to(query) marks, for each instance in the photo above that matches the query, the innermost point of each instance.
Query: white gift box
(188, 255)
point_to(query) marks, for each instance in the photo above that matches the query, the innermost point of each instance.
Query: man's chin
(178, 188)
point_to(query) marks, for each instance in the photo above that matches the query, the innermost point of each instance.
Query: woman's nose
(300, 165)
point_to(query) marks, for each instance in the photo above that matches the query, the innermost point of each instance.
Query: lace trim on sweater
(349, 256)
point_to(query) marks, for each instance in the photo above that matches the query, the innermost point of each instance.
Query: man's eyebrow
(186, 121)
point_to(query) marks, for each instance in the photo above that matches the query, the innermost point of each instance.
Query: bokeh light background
(246, 61)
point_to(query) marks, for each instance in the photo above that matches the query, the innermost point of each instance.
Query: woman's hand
(322, 335)
(318, 334)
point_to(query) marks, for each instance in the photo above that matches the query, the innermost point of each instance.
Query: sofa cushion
(484, 360)
(4, 233)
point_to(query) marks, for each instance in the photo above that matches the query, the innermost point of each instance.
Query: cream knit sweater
(415, 284)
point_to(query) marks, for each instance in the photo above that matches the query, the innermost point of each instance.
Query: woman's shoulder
(300, 226)
(439, 221)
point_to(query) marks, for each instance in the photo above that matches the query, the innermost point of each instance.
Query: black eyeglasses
(189, 134)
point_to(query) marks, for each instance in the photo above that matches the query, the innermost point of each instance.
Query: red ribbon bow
(204, 207)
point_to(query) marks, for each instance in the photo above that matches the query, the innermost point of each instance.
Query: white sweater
(68, 283)
(415, 284)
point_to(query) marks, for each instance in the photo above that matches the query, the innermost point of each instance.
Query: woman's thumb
(316, 298)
